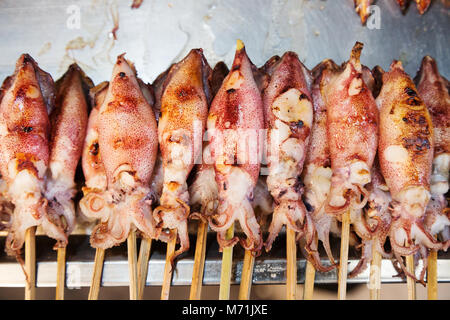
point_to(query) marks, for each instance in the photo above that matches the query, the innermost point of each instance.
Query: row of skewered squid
(335, 139)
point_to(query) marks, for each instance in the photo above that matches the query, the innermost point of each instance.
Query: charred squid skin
(289, 115)
(26, 97)
(362, 8)
(406, 156)
(237, 107)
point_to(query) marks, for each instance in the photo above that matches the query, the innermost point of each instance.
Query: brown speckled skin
(15, 118)
(235, 109)
(24, 142)
(351, 120)
(242, 108)
(184, 104)
(406, 125)
(69, 120)
(434, 91)
(127, 126)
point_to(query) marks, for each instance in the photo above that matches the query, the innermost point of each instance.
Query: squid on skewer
(317, 173)
(26, 99)
(434, 90)
(122, 141)
(184, 110)
(69, 121)
(234, 121)
(288, 115)
(406, 155)
(352, 133)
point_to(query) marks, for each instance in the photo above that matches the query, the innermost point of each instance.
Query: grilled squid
(234, 121)
(289, 115)
(184, 110)
(317, 173)
(69, 121)
(378, 218)
(26, 98)
(362, 8)
(121, 147)
(352, 134)
(434, 90)
(422, 5)
(203, 191)
(406, 155)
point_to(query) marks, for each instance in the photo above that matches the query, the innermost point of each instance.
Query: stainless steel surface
(161, 32)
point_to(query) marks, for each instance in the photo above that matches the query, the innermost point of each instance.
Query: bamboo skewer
(132, 264)
(310, 275)
(60, 273)
(97, 274)
(199, 261)
(167, 278)
(375, 274)
(432, 283)
(144, 255)
(246, 276)
(342, 276)
(30, 263)
(227, 261)
(410, 282)
(291, 264)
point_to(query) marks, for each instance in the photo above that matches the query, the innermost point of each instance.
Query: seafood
(317, 173)
(422, 5)
(26, 97)
(184, 110)
(289, 115)
(203, 191)
(352, 132)
(434, 90)
(69, 121)
(234, 121)
(362, 8)
(406, 155)
(122, 135)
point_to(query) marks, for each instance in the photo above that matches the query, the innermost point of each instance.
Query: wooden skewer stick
(310, 274)
(343, 259)
(227, 261)
(410, 282)
(199, 261)
(97, 274)
(132, 264)
(30, 263)
(375, 274)
(432, 283)
(246, 276)
(144, 255)
(291, 264)
(167, 278)
(60, 273)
